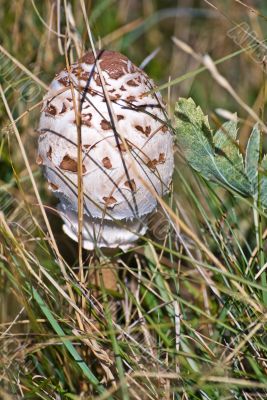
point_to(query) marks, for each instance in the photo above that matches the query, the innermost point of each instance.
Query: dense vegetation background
(183, 314)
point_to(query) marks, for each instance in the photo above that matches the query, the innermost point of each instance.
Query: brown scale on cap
(146, 131)
(64, 81)
(68, 164)
(113, 63)
(164, 128)
(80, 74)
(152, 164)
(162, 158)
(110, 201)
(131, 185)
(132, 82)
(88, 58)
(130, 98)
(105, 125)
(50, 110)
(107, 163)
(97, 79)
(116, 96)
(86, 119)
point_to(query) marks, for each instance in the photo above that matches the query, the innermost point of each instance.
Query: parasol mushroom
(127, 149)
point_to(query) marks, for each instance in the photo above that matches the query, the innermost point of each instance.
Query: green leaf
(229, 160)
(195, 136)
(263, 182)
(252, 158)
(215, 157)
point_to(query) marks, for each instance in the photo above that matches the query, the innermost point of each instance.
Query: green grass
(180, 316)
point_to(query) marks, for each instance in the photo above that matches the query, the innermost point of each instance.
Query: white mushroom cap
(102, 234)
(123, 170)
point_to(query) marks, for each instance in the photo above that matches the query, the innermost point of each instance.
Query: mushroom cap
(102, 233)
(124, 168)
